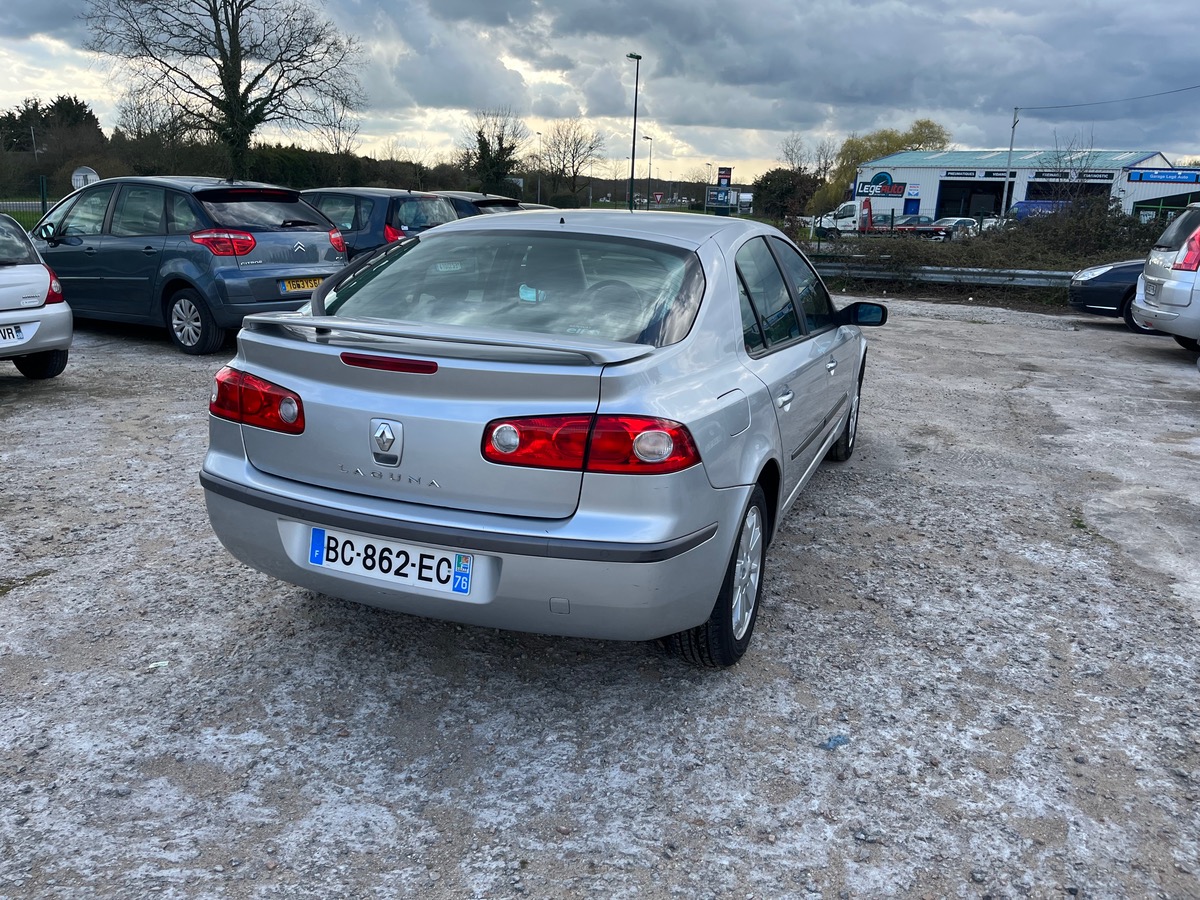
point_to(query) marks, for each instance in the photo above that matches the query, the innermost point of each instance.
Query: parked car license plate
(10, 334)
(397, 563)
(300, 284)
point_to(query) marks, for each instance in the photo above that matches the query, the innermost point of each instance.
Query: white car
(35, 322)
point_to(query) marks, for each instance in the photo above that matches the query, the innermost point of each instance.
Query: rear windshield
(15, 246)
(1179, 230)
(422, 212)
(565, 284)
(261, 210)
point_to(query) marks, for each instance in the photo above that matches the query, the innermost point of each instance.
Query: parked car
(473, 203)
(371, 217)
(1108, 290)
(35, 321)
(524, 205)
(588, 427)
(954, 228)
(1166, 297)
(192, 254)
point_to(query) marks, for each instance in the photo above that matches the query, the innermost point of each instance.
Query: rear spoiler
(595, 352)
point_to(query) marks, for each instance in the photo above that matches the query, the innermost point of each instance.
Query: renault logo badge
(384, 437)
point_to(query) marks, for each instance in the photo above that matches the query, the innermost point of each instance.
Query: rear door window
(768, 292)
(806, 287)
(139, 211)
(341, 210)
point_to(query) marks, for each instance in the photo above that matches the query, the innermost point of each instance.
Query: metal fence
(857, 271)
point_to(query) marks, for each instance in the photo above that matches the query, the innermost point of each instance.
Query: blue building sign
(1172, 176)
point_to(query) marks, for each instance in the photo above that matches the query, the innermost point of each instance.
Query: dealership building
(943, 183)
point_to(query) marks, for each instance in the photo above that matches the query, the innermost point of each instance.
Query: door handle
(149, 251)
(90, 251)
(830, 366)
(784, 399)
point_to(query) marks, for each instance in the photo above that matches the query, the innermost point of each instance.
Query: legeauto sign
(882, 186)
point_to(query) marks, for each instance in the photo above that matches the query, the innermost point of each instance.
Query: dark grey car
(193, 254)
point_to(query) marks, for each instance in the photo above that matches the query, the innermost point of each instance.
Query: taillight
(1191, 254)
(224, 242)
(625, 445)
(391, 234)
(54, 292)
(250, 400)
(339, 242)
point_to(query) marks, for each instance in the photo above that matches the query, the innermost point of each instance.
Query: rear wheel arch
(770, 480)
(170, 288)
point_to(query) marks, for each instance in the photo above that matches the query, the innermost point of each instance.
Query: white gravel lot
(974, 675)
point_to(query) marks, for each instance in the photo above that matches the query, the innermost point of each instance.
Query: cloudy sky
(725, 82)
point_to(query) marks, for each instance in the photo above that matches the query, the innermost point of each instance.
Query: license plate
(300, 284)
(399, 564)
(10, 334)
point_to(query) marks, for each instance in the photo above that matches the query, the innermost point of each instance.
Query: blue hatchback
(193, 254)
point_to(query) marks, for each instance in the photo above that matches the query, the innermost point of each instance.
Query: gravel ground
(974, 675)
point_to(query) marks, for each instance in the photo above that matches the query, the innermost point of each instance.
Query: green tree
(783, 192)
(490, 149)
(232, 66)
(923, 134)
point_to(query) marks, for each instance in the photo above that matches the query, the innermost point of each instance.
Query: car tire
(191, 324)
(723, 639)
(1130, 322)
(46, 364)
(1187, 343)
(843, 447)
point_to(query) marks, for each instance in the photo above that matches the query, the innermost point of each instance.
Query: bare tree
(793, 153)
(490, 147)
(232, 66)
(568, 149)
(824, 155)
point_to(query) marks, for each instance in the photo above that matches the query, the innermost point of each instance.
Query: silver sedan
(571, 422)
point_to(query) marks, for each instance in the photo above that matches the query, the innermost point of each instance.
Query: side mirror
(44, 232)
(863, 313)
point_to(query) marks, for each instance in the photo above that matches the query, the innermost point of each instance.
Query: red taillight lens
(339, 242)
(1191, 255)
(626, 445)
(223, 242)
(392, 234)
(250, 400)
(54, 293)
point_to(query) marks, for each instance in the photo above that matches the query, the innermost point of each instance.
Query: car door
(834, 346)
(791, 367)
(71, 247)
(132, 253)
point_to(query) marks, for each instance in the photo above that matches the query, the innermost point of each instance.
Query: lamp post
(539, 134)
(707, 182)
(649, 168)
(637, 68)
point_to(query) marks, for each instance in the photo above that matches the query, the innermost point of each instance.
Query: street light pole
(539, 134)
(708, 181)
(637, 68)
(649, 168)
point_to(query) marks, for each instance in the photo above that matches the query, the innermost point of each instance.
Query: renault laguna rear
(578, 423)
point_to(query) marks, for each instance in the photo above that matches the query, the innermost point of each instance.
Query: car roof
(191, 183)
(473, 195)
(680, 228)
(372, 191)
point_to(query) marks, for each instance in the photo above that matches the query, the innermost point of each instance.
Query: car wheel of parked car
(1130, 322)
(723, 639)
(42, 365)
(1187, 343)
(192, 326)
(843, 447)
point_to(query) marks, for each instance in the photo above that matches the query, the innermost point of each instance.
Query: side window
(87, 215)
(810, 293)
(339, 209)
(139, 210)
(768, 293)
(752, 335)
(183, 218)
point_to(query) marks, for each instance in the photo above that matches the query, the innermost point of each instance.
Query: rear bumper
(572, 586)
(1178, 318)
(46, 328)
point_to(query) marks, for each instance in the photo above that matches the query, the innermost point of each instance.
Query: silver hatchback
(572, 422)
(1167, 297)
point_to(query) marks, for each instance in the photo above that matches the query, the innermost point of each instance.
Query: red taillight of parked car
(250, 400)
(54, 292)
(391, 234)
(336, 239)
(1191, 254)
(624, 445)
(225, 242)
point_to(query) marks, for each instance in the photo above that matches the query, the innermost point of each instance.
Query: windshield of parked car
(566, 284)
(255, 209)
(15, 247)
